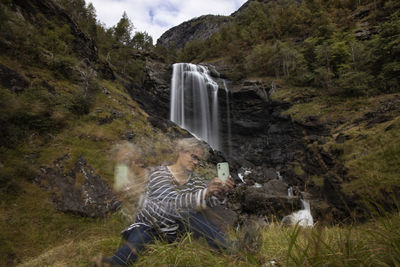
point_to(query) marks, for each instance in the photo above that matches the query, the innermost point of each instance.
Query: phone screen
(223, 171)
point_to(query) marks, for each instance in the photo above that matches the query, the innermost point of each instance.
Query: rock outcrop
(266, 143)
(79, 190)
(83, 46)
(196, 29)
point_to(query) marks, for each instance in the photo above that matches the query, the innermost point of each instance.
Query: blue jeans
(193, 222)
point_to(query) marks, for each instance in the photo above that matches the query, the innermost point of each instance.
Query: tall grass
(376, 243)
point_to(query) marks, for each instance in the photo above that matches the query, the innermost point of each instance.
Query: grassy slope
(33, 225)
(371, 152)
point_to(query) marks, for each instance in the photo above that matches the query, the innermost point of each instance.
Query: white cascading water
(228, 114)
(302, 217)
(192, 91)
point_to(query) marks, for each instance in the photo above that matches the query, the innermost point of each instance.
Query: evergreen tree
(123, 29)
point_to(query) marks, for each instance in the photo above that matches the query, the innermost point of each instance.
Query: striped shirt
(165, 198)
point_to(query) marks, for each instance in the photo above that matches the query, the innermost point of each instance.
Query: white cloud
(157, 16)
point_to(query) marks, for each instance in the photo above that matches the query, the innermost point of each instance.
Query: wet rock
(79, 190)
(258, 201)
(153, 95)
(262, 175)
(276, 188)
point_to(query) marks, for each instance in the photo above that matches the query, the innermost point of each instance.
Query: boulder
(259, 201)
(79, 190)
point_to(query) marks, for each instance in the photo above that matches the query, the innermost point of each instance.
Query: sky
(157, 16)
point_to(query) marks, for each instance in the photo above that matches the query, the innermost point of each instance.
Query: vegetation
(373, 244)
(312, 43)
(310, 49)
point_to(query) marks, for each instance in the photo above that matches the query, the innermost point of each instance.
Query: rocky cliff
(199, 28)
(196, 29)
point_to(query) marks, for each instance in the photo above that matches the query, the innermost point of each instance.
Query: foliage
(84, 15)
(31, 111)
(123, 29)
(385, 50)
(310, 43)
(141, 41)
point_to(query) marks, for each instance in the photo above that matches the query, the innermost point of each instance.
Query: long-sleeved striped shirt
(165, 198)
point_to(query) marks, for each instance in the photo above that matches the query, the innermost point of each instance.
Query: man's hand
(216, 186)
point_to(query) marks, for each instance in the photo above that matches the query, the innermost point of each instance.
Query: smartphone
(223, 171)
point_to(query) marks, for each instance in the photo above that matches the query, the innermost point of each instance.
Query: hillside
(315, 97)
(336, 66)
(65, 105)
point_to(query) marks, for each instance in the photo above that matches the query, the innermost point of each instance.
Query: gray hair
(190, 144)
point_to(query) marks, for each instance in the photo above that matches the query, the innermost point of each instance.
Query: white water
(280, 178)
(302, 217)
(290, 192)
(228, 114)
(194, 102)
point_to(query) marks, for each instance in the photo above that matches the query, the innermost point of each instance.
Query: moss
(317, 180)
(35, 221)
(298, 170)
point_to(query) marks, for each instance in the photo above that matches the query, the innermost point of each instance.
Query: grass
(370, 154)
(376, 243)
(35, 227)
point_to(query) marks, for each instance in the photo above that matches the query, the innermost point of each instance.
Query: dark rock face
(196, 29)
(154, 94)
(274, 148)
(79, 190)
(259, 134)
(265, 142)
(270, 200)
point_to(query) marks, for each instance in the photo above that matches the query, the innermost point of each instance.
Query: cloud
(157, 16)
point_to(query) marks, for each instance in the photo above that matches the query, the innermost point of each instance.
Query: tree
(123, 30)
(142, 41)
(385, 61)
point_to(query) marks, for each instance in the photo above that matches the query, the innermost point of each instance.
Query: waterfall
(290, 191)
(194, 102)
(228, 114)
(302, 217)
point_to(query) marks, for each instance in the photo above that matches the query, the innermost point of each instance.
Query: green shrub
(355, 83)
(80, 104)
